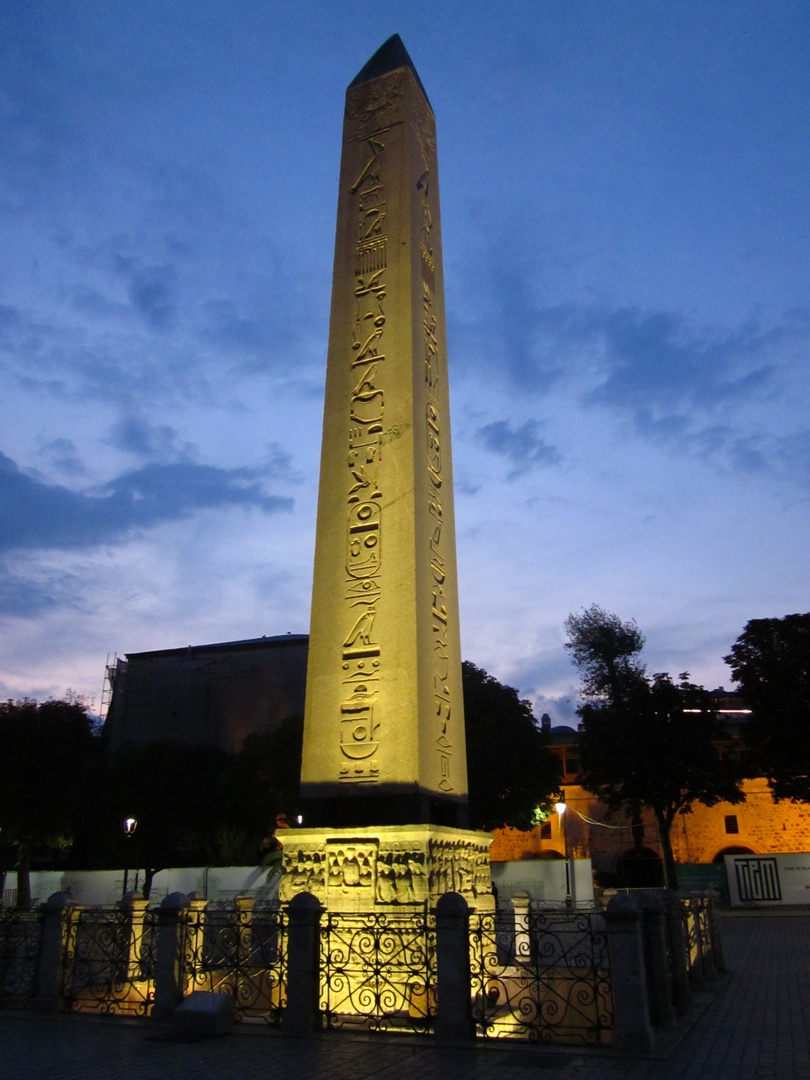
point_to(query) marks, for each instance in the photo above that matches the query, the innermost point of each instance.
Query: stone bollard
(170, 955)
(678, 951)
(454, 999)
(134, 906)
(302, 1014)
(715, 934)
(659, 989)
(58, 926)
(632, 1032)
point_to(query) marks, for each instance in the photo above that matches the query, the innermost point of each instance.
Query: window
(731, 823)
(571, 765)
(545, 830)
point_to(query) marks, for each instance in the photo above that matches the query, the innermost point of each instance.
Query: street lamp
(130, 825)
(560, 807)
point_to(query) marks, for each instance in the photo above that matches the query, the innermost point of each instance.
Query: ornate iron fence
(697, 934)
(108, 961)
(20, 937)
(544, 976)
(378, 971)
(239, 950)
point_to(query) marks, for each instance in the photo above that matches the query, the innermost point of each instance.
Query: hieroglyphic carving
(361, 652)
(374, 105)
(425, 133)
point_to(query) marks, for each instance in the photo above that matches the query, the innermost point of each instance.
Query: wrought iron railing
(697, 933)
(20, 937)
(108, 961)
(378, 971)
(543, 976)
(239, 950)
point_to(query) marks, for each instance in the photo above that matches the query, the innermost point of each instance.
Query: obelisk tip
(391, 56)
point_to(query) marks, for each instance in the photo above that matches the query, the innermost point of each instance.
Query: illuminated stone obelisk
(384, 777)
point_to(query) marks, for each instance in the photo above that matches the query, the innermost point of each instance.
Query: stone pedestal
(382, 868)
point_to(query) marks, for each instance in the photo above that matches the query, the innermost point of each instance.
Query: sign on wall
(755, 880)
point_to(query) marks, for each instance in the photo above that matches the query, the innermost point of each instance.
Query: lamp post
(130, 824)
(560, 807)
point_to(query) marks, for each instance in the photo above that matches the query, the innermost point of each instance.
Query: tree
(174, 791)
(770, 661)
(510, 770)
(48, 754)
(646, 740)
(263, 783)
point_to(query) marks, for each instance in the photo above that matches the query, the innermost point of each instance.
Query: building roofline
(278, 641)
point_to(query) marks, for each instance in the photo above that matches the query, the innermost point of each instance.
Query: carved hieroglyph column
(384, 724)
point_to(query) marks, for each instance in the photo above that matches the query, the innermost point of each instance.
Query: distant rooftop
(276, 641)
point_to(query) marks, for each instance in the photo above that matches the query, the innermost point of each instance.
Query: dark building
(214, 695)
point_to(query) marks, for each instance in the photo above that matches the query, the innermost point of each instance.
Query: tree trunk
(670, 869)
(24, 880)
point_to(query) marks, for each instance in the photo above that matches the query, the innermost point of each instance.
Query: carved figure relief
(352, 871)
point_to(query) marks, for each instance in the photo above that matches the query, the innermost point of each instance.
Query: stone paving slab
(754, 1026)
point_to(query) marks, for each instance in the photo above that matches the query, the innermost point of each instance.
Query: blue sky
(625, 217)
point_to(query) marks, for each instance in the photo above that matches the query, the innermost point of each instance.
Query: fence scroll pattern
(108, 961)
(20, 937)
(241, 952)
(378, 971)
(542, 976)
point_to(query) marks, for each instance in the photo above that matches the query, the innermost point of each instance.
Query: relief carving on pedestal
(352, 872)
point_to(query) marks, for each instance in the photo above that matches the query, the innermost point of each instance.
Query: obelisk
(384, 725)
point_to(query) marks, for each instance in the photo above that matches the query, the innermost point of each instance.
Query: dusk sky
(626, 218)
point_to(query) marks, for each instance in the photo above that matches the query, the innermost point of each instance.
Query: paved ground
(754, 1026)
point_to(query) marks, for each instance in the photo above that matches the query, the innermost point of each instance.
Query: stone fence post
(302, 1015)
(655, 956)
(632, 1032)
(58, 919)
(678, 951)
(453, 978)
(170, 955)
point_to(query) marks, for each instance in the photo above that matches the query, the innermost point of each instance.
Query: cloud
(137, 436)
(657, 365)
(523, 446)
(37, 515)
(152, 291)
(64, 457)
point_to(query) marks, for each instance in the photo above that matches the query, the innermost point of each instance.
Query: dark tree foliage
(264, 779)
(49, 756)
(646, 741)
(174, 792)
(510, 769)
(770, 661)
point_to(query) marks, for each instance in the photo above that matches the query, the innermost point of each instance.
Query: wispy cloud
(137, 436)
(37, 515)
(523, 446)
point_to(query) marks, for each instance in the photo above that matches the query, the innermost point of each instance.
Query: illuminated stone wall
(763, 826)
